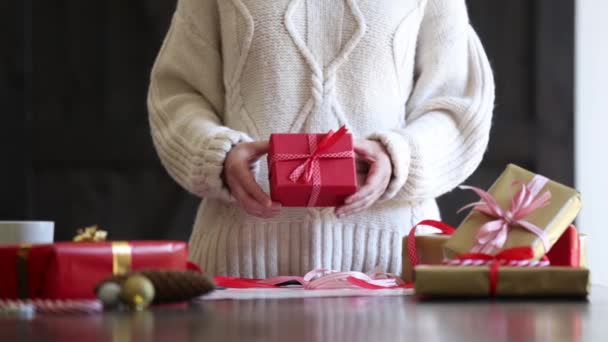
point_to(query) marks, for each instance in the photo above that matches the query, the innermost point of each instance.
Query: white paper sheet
(281, 293)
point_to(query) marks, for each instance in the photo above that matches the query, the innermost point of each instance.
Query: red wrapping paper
(338, 175)
(34, 266)
(567, 250)
(68, 270)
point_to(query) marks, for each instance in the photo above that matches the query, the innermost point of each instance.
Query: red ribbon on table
(493, 234)
(321, 279)
(310, 169)
(516, 256)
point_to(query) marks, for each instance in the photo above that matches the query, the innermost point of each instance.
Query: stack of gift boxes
(517, 240)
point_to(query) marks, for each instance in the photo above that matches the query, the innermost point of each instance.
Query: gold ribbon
(90, 234)
(23, 288)
(121, 257)
(121, 250)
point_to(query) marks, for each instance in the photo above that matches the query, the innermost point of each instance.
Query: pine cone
(172, 286)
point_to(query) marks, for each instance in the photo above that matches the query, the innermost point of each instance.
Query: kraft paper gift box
(312, 170)
(429, 248)
(475, 281)
(570, 251)
(553, 219)
(567, 275)
(71, 270)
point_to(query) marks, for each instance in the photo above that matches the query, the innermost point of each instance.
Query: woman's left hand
(376, 182)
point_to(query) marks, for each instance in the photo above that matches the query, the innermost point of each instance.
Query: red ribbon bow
(493, 234)
(310, 169)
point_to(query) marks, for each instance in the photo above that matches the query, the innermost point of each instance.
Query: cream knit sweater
(411, 74)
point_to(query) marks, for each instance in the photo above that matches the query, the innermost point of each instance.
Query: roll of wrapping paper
(475, 281)
(553, 219)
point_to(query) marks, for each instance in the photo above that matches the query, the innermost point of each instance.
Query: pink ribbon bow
(310, 169)
(492, 236)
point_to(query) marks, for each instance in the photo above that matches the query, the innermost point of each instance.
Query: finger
(258, 148)
(252, 206)
(357, 207)
(250, 186)
(373, 181)
(264, 213)
(245, 200)
(363, 150)
(348, 206)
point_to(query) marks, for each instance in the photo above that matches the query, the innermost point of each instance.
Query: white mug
(34, 232)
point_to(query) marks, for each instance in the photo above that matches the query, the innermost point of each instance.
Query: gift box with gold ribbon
(520, 209)
(71, 270)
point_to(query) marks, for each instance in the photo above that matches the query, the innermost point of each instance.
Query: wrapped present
(570, 250)
(474, 281)
(312, 170)
(76, 268)
(425, 249)
(23, 268)
(71, 270)
(517, 277)
(520, 209)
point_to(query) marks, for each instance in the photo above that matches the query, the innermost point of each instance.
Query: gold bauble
(137, 292)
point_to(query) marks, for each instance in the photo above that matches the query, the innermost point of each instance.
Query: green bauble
(137, 292)
(109, 293)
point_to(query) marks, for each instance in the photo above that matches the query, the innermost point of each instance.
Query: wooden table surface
(375, 319)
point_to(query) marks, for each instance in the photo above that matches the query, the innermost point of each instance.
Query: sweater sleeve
(449, 112)
(186, 99)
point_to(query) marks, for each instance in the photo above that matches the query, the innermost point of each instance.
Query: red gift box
(23, 268)
(567, 250)
(312, 170)
(68, 270)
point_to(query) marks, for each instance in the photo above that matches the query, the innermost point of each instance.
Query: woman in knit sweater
(409, 78)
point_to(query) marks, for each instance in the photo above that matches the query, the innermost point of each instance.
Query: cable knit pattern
(411, 74)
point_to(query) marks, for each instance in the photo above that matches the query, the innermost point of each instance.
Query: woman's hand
(242, 184)
(377, 180)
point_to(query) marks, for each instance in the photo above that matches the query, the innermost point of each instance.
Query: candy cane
(512, 263)
(49, 306)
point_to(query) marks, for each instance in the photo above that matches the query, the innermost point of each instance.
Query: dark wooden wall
(75, 137)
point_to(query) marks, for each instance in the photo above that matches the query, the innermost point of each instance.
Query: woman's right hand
(242, 184)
